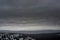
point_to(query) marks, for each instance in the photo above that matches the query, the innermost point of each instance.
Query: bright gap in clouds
(30, 28)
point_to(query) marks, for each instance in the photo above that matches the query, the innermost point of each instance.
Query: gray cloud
(28, 7)
(31, 8)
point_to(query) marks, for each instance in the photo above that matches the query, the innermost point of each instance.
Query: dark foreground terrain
(47, 35)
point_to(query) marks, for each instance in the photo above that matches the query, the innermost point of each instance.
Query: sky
(21, 7)
(45, 9)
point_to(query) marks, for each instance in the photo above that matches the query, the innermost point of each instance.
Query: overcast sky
(29, 3)
(47, 9)
(30, 7)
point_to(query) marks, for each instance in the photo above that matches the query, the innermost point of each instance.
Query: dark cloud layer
(22, 7)
(28, 7)
(45, 9)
